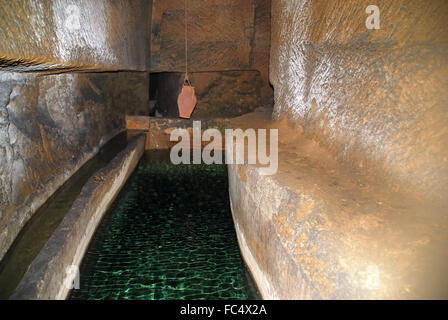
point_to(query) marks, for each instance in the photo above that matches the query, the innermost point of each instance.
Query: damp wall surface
(377, 99)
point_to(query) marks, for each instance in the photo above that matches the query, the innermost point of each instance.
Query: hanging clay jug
(186, 101)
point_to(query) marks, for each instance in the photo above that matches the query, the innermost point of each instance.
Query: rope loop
(187, 80)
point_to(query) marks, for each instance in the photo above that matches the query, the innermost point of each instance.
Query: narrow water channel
(33, 237)
(168, 235)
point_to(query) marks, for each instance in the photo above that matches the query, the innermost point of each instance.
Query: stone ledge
(316, 230)
(45, 277)
(38, 197)
(158, 130)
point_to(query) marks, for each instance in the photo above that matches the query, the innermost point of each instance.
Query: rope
(186, 79)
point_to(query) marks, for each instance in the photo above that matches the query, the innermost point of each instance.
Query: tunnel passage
(71, 72)
(357, 209)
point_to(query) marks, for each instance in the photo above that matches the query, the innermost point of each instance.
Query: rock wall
(49, 126)
(50, 123)
(357, 209)
(223, 35)
(80, 35)
(317, 229)
(376, 98)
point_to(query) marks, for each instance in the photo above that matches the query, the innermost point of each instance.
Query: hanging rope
(186, 79)
(186, 101)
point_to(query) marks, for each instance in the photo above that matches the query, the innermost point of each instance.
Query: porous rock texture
(223, 35)
(49, 126)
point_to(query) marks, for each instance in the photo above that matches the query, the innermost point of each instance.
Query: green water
(168, 235)
(33, 237)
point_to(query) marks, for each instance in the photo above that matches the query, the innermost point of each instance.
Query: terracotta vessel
(186, 101)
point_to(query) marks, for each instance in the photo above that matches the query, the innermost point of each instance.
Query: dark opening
(220, 94)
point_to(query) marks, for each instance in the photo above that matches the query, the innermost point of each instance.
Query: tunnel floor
(169, 235)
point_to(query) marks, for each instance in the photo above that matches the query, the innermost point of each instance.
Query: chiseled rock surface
(376, 98)
(49, 126)
(223, 35)
(358, 207)
(80, 35)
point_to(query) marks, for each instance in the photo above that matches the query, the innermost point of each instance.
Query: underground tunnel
(223, 150)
